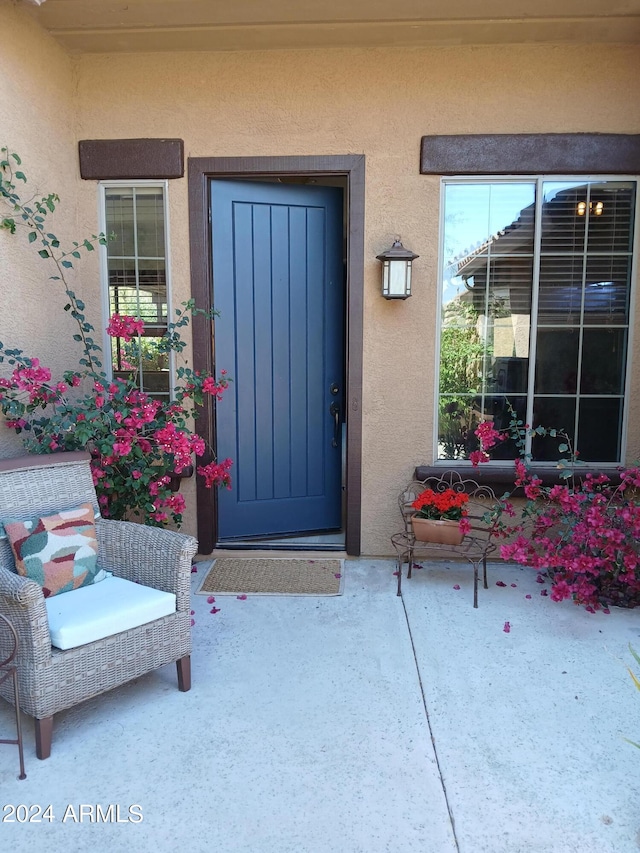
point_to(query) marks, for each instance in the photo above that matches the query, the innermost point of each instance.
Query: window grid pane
(578, 257)
(137, 281)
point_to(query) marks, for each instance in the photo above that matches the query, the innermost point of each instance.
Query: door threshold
(279, 546)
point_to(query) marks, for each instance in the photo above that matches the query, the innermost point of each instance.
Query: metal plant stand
(8, 669)
(476, 545)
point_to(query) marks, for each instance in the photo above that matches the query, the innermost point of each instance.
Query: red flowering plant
(582, 532)
(447, 505)
(137, 442)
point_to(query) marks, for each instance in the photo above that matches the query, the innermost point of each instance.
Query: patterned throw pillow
(58, 551)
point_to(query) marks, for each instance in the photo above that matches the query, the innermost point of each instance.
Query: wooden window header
(137, 159)
(531, 154)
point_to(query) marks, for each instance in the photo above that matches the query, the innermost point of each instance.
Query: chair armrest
(22, 602)
(148, 555)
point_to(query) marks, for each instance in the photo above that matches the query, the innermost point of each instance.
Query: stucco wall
(377, 102)
(37, 81)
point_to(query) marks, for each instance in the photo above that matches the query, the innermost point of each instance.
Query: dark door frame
(200, 172)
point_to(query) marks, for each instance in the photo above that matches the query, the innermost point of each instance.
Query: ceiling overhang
(105, 26)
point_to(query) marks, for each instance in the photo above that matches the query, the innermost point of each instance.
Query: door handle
(334, 410)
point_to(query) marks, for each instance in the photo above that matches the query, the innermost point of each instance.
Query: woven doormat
(273, 576)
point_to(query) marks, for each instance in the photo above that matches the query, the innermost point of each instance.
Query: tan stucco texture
(376, 102)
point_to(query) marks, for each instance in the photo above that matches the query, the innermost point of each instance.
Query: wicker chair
(51, 680)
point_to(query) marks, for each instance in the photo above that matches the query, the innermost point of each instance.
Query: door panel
(279, 288)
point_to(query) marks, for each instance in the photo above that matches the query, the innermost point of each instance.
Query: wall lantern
(396, 271)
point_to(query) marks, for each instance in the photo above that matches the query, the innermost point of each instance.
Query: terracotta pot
(441, 532)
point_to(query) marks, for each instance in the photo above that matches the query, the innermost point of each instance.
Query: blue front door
(278, 284)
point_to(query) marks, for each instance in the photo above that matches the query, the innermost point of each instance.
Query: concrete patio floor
(357, 724)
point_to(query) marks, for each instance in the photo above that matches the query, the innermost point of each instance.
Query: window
(136, 280)
(536, 293)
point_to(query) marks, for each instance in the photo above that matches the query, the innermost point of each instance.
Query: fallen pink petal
(193, 622)
(396, 573)
(606, 610)
(242, 597)
(539, 579)
(215, 610)
(507, 627)
(514, 585)
(210, 599)
(456, 586)
(193, 570)
(337, 575)
(543, 592)
(500, 583)
(527, 595)
(193, 612)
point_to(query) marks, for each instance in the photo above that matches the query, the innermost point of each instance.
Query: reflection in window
(535, 311)
(137, 281)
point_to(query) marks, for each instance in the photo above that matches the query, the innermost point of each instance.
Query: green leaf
(44, 253)
(66, 264)
(21, 177)
(33, 235)
(15, 157)
(563, 447)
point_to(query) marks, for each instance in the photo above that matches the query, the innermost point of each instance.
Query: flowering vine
(583, 532)
(137, 442)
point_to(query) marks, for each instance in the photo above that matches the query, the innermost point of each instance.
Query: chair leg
(184, 673)
(22, 775)
(44, 731)
(475, 584)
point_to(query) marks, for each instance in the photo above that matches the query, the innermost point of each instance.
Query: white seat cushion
(93, 612)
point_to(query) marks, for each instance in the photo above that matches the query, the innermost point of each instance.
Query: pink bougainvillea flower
(507, 627)
(456, 586)
(500, 583)
(216, 473)
(124, 326)
(477, 457)
(242, 597)
(539, 579)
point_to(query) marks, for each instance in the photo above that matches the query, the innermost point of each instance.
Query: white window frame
(538, 180)
(103, 186)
